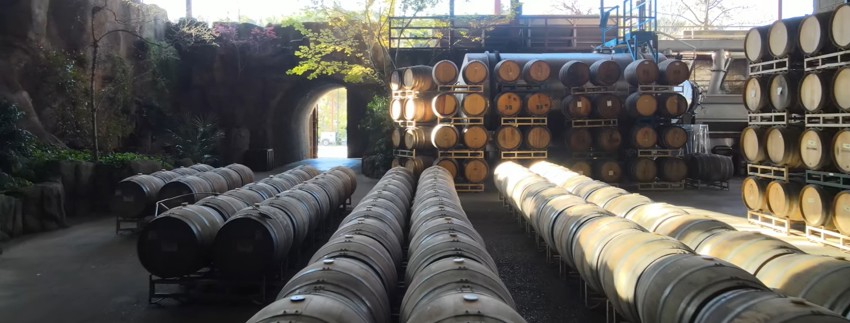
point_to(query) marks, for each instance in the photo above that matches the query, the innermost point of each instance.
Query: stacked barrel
(522, 107)
(136, 196)
(353, 277)
(246, 232)
(450, 274)
(656, 262)
(440, 122)
(800, 67)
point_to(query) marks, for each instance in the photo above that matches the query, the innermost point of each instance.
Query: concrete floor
(88, 274)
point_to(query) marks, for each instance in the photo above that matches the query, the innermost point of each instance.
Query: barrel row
(776, 264)
(352, 276)
(244, 231)
(641, 136)
(635, 105)
(793, 147)
(136, 195)
(192, 188)
(815, 204)
(647, 277)
(800, 36)
(798, 92)
(450, 274)
(441, 137)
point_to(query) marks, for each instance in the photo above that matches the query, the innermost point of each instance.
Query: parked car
(327, 138)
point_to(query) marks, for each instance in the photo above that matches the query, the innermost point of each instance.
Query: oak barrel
(840, 84)
(608, 171)
(507, 71)
(815, 91)
(741, 305)
(445, 105)
(475, 137)
(397, 109)
(672, 169)
(476, 170)
(672, 137)
(710, 167)
(754, 193)
(445, 72)
(186, 189)
(813, 36)
(136, 195)
(643, 170)
(839, 25)
(814, 148)
(474, 72)
(756, 94)
(474, 105)
(672, 105)
(396, 79)
(445, 136)
(607, 106)
(253, 241)
(574, 73)
(536, 71)
(784, 90)
(604, 72)
(508, 104)
(418, 138)
(641, 105)
(841, 212)
(216, 181)
(641, 72)
(644, 137)
(537, 137)
(418, 164)
(746, 249)
(508, 138)
(782, 38)
(419, 78)
(178, 242)
(673, 72)
(419, 110)
(582, 167)
(607, 139)
(783, 146)
(841, 150)
(817, 279)
(449, 164)
(183, 171)
(397, 137)
(538, 104)
(816, 205)
(579, 139)
(753, 144)
(576, 106)
(783, 199)
(755, 44)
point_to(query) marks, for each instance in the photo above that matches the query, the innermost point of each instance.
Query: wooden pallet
(700, 184)
(469, 188)
(770, 172)
(130, 225)
(770, 221)
(828, 237)
(522, 88)
(404, 153)
(661, 186)
(660, 89)
(525, 154)
(836, 180)
(461, 88)
(774, 119)
(771, 67)
(525, 121)
(654, 153)
(827, 120)
(462, 121)
(593, 155)
(831, 60)
(593, 90)
(594, 123)
(461, 154)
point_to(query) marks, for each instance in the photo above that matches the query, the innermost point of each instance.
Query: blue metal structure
(636, 26)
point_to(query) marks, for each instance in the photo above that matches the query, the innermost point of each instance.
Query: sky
(762, 11)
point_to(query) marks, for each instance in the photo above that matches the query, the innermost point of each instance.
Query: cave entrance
(330, 125)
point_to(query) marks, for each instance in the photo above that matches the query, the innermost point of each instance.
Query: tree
(703, 14)
(576, 7)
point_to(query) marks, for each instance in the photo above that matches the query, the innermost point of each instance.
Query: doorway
(330, 124)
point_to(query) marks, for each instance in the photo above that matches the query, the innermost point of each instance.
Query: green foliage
(62, 89)
(14, 142)
(115, 104)
(164, 67)
(188, 32)
(122, 159)
(377, 125)
(197, 139)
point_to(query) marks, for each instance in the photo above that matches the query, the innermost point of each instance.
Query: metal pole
(780, 8)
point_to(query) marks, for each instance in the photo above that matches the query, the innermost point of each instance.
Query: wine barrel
(178, 242)
(202, 167)
(741, 305)
(445, 136)
(445, 72)
(397, 137)
(449, 164)
(748, 250)
(226, 206)
(418, 164)
(445, 105)
(396, 163)
(576, 106)
(755, 44)
(419, 110)
(582, 167)
(673, 72)
(840, 84)
(643, 170)
(814, 91)
(234, 180)
(672, 137)
(418, 138)
(165, 175)
(607, 106)
(184, 171)
(216, 181)
(475, 137)
(574, 74)
(397, 109)
(250, 197)
(783, 146)
(753, 144)
(783, 199)
(672, 169)
(676, 287)
(813, 36)
(136, 195)
(644, 137)
(186, 189)
(607, 139)
(814, 148)
(641, 72)
(537, 137)
(782, 36)
(474, 105)
(710, 167)
(608, 171)
(319, 305)
(253, 241)
(474, 72)
(536, 71)
(817, 279)
(841, 150)
(841, 212)
(364, 250)
(538, 104)
(623, 261)
(754, 193)
(508, 104)
(475, 170)
(672, 105)
(838, 26)
(755, 94)
(418, 78)
(784, 90)
(245, 173)
(641, 105)
(604, 72)
(266, 190)
(590, 239)
(508, 138)
(691, 229)
(579, 139)
(396, 79)
(507, 71)
(465, 306)
(815, 205)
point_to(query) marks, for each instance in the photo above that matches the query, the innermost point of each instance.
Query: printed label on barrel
(812, 143)
(610, 173)
(609, 103)
(578, 104)
(810, 200)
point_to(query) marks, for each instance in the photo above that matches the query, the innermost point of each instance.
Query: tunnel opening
(329, 122)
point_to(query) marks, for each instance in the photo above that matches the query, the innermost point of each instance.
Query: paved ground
(332, 151)
(88, 274)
